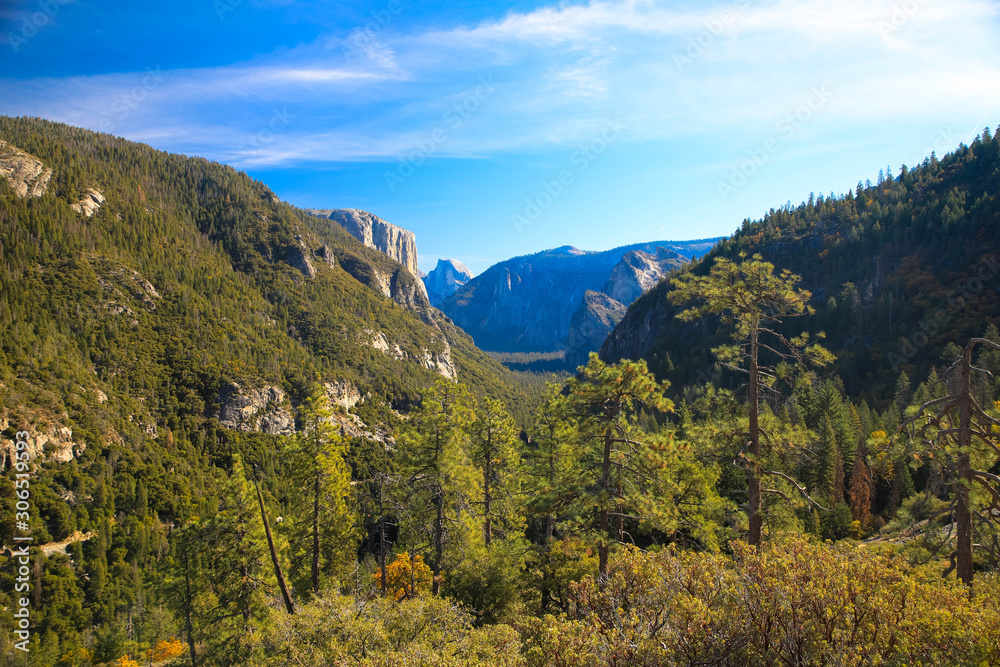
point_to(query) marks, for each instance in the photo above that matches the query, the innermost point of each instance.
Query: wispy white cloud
(558, 72)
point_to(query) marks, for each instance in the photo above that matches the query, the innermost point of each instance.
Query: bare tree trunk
(603, 547)
(274, 554)
(315, 534)
(753, 470)
(963, 517)
(188, 604)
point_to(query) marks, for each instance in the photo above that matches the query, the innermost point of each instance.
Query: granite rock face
(445, 279)
(90, 203)
(639, 272)
(396, 242)
(297, 257)
(598, 314)
(438, 360)
(46, 442)
(263, 410)
(25, 173)
(527, 304)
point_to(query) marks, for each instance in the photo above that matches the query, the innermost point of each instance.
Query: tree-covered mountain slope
(898, 271)
(176, 320)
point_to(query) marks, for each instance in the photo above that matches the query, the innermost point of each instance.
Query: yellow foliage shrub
(406, 577)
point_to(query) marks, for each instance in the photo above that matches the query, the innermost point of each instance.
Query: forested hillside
(191, 300)
(236, 436)
(900, 271)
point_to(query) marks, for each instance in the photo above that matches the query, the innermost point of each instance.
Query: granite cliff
(374, 232)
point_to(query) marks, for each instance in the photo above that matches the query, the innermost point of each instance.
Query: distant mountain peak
(568, 250)
(445, 279)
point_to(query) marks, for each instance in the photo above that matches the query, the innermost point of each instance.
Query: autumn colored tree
(405, 577)
(754, 301)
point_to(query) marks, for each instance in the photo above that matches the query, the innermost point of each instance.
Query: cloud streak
(559, 71)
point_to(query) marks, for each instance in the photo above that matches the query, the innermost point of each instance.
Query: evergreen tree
(623, 469)
(494, 451)
(441, 483)
(323, 529)
(751, 298)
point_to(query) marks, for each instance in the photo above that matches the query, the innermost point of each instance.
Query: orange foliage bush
(406, 577)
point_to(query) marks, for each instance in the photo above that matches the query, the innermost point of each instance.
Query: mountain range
(562, 301)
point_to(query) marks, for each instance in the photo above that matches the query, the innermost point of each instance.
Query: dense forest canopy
(264, 460)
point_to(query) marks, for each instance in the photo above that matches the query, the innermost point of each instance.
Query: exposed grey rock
(438, 361)
(343, 393)
(264, 410)
(396, 242)
(639, 272)
(597, 316)
(46, 442)
(298, 258)
(27, 175)
(326, 255)
(90, 203)
(445, 279)
(526, 304)
(401, 286)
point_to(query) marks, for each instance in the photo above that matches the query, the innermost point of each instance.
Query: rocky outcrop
(26, 174)
(396, 242)
(342, 393)
(45, 442)
(639, 272)
(90, 203)
(326, 255)
(445, 279)
(438, 361)
(123, 285)
(597, 316)
(263, 410)
(400, 285)
(297, 257)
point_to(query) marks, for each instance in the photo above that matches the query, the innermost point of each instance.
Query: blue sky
(499, 129)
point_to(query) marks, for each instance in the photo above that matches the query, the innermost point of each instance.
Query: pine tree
(323, 529)
(622, 467)
(751, 298)
(494, 451)
(441, 482)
